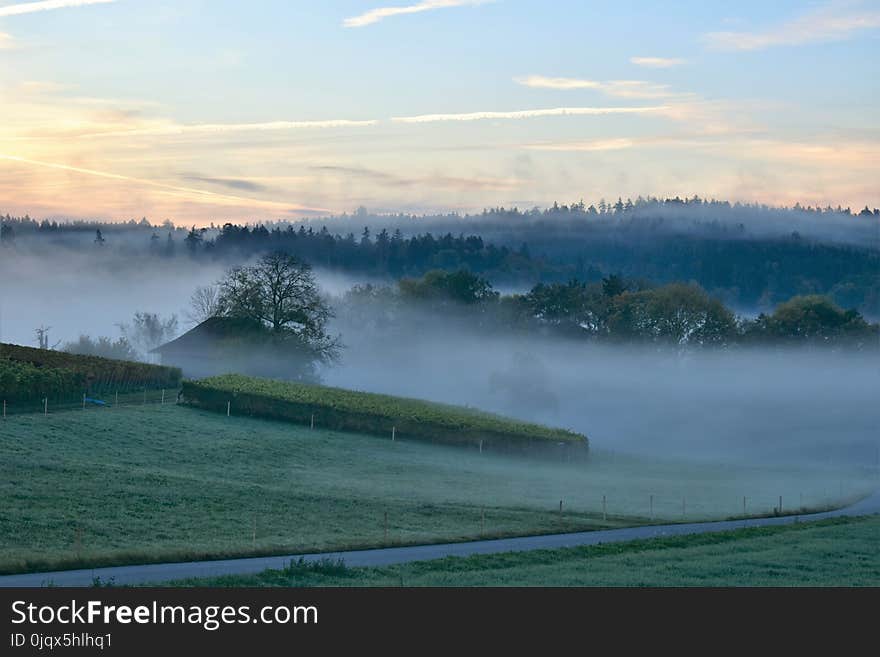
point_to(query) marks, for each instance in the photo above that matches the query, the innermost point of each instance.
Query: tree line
(613, 310)
(279, 303)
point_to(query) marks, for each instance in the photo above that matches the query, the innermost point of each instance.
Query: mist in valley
(808, 406)
(744, 405)
(75, 293)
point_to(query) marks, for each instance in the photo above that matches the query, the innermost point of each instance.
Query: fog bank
(810, 407)
(793, 406)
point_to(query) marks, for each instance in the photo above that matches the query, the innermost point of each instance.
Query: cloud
(42, 87)
(199, 195)
(846, 155)
(656, 62)
(376, 15)
(530, 114)
(46, 5)
(843, 155)
(436, 181)
(615, 88)
(231, 183)
(220, 128)
(541, 82)
(361, 172)
(585, 146)
(6, 41)
(275, 125)
(833, 22)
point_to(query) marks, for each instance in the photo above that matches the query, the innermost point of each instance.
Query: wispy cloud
(542, 82)
(585, 146)
(191, 193)
(230, 183)
(833, 22)
(42, 87)
(656, 62)
(615, 88)
(529, 114)
(276, 125)
(436, 180)
(357, 172)
(46, 5)
(827, 152)
(6, 41)
(376, 15)
(220, 128)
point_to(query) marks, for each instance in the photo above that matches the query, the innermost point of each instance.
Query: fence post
(228, 408)
(560, 510)
(84, 401)
(45, 406)
(313, 421)
(393, 433)
(481, 445)
(116, 401)
(780, 505)
(163, 396)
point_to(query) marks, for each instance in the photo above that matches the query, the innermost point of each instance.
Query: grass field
(840, 552)
(157, 483)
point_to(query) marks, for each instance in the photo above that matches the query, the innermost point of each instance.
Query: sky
(206, 111)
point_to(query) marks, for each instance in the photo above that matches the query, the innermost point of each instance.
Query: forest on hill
(751, 257)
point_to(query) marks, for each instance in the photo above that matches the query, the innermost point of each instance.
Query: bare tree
(147, 331)
(43, 336)
(204, 304)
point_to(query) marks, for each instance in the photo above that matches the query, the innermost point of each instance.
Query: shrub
(20, 382)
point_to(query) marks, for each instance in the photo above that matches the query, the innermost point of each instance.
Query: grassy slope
(840, 552)
(159, 483)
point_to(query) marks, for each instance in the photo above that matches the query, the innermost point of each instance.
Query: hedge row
(348, 410)
(23, 382)
(92, 374)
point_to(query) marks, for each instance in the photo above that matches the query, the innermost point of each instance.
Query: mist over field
(747, 405)
(814, 407)
(76, 293)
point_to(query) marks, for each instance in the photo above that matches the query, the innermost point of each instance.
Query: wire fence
(106, 399)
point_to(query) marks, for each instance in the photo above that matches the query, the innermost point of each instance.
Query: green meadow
(151, 483)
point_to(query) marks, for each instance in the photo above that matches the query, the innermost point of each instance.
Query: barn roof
(213, 329)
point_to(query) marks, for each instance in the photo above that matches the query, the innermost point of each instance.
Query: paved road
(158, 573)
